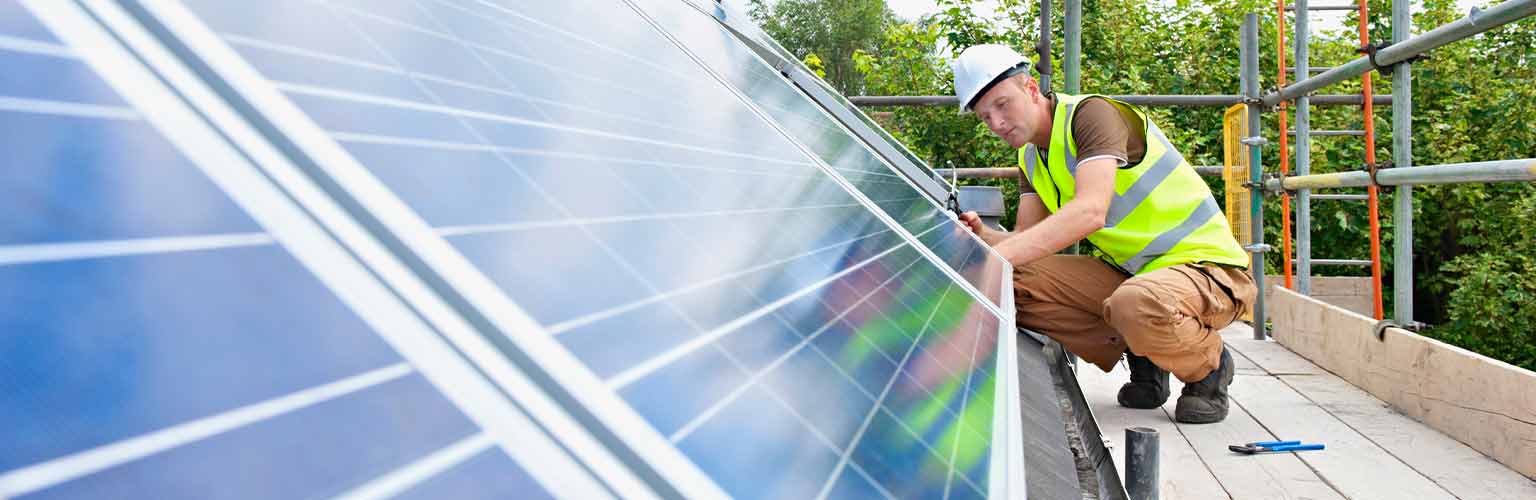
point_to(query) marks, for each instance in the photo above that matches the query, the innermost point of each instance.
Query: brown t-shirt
(1102, 129)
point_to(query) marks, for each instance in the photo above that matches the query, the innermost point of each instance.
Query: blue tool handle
(1296, 447)
(1269, 444)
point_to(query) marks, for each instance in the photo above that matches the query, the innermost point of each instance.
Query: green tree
(1473, 100)
(832, 30)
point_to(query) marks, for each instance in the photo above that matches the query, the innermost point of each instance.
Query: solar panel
(860, 123)
(159, 339)
(672, 277)
(853, 157)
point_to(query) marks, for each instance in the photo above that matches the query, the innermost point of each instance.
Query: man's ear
(1030, 87)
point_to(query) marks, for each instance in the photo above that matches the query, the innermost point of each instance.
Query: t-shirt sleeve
(1100, 131)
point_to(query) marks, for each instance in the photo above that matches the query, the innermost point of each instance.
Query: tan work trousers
(1170, 315)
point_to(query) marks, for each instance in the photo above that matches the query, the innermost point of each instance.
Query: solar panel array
(455, 248)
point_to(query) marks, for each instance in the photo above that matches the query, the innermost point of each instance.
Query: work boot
(1148, 387)
(1205, 402)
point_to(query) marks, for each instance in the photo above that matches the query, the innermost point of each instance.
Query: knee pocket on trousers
(1138, 304)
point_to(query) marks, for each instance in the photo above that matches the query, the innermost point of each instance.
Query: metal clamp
(1380, 329)
(1372, 168)
(1259, 248)
(1263, 184)
(1370, 50)
(1254, 140)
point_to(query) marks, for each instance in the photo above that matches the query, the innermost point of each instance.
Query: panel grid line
(420, 470)
(879, 402)
(36, 477)
(620, 219)
(645, 368)
(703, 483)
(62, 108)
(505, 25)
(241, 40)
(363, 138)
(318, 91)
(36, 47)
(53, 252)
(699, 420)
(965, 401)
(565, 326)
(871, 396)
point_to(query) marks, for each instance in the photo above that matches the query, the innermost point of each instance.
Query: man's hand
(987, 234)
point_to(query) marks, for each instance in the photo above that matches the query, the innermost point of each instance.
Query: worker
(1164, 272)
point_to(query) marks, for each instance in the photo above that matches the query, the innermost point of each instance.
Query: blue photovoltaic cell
(140, 298)
(490, 475)
(17, 25)
(319, 451)
(687, 252)
(99, 350)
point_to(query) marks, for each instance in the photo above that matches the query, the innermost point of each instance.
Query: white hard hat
(982, 66)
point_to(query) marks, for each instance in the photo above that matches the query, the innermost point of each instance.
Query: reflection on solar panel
(455, 248)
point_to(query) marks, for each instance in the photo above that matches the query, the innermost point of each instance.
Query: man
(1165, 272)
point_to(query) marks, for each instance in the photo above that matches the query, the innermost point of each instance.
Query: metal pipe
(978, 173)
(1303, 153)
(1329, 133)
(1141, 463)
(1349, 99)
(1478, 21)
(1043, 47)
(1074, 50)
(1314, 69)
(1140, 100)
(1250, 81)
(1013, 172)
(1300, 5)
(1341, 262)
(1350, 197)
(1522, 170)
(1402, 155)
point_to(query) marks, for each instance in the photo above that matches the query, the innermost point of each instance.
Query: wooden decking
(1372, 451)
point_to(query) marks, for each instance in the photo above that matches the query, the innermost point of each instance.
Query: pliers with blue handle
(1273, 447)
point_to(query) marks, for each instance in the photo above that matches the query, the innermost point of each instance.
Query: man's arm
(1030, 212)
(1074, 221)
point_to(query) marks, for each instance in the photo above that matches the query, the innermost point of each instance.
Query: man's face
(1010, 109)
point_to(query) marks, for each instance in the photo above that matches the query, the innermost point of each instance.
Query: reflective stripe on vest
(1162, 213)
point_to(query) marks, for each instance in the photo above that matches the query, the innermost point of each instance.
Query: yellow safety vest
(1162, 213)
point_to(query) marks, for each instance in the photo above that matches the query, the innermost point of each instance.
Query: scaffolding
(1395, 57)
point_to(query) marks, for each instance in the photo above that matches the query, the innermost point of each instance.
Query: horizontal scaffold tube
(1013, 172)
(1143, 100)
(1478, 21)
(1523, 170)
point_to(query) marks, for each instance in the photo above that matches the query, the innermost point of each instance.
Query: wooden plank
(1267, 354)
(1352, 464)
(1273, 476)
(1484, 403)
(1454, 466)
(1182, 475)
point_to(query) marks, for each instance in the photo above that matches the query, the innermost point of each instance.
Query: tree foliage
(1473, 100)
(829, 31)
